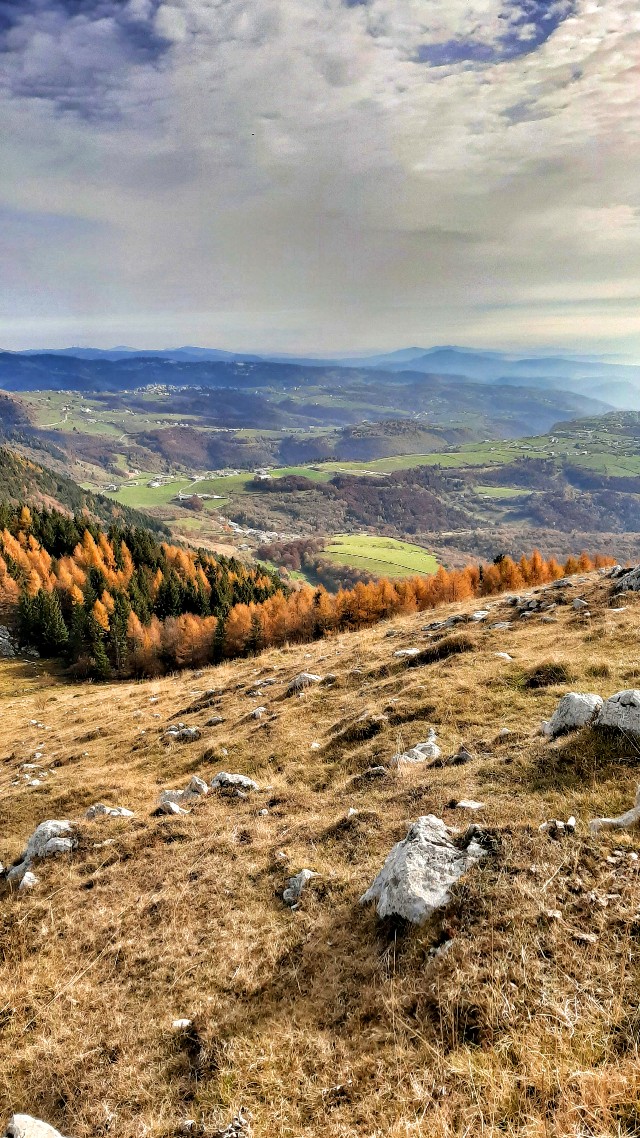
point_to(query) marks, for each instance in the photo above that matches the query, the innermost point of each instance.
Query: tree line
(119, 603)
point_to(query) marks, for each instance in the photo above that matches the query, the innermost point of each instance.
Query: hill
(23, 481)
(156, 974)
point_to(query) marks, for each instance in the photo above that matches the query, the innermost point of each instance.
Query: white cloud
(289, 167)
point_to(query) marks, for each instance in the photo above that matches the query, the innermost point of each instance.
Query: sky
(320, 175)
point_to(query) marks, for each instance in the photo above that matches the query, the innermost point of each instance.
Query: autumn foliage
(121, 604)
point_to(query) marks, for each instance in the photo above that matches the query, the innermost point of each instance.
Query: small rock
(224, 780)
(99, 810)
(258, 712)
(215, 721)
(630, 818)
(578, 604)
(174, 801)
(421, 752)
(303, 680)
(467, 804)
(29, 881)
(407, 652)
(181, 1024)
(504, 656)
(295, 885)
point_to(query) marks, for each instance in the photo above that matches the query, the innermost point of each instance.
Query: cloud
(316, 174)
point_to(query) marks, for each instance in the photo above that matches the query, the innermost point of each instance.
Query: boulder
(630, 818)
(416, 877)
(421, 753)
(24, 1126)
(225, 781)
(576, 709)
(621, 711)
(303, 680)
(99, 810)
(48, 839)
(175, 801)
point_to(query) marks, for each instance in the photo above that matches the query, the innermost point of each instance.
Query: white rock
(481, 614)
(181, 798)
(185, 734)
(47, 840)
(630, 818)
(503, 656)
(24, 1126)
(580, 604)
(315, 746)
(303, 680)
(258, 712)
(421, 752)
(99, 810)
(29, 881)
(224, 780)
(181, 1024)
(416, 877)
(621, 711)
(295, 885)
(407, 652)
(576, 709)
(501, 626)
(469, 804)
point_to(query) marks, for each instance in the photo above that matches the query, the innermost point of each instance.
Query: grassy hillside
(512, 1012)
(380, 556)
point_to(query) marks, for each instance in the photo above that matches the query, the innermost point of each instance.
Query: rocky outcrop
(576, 709)
(421, 753)
(48, 840)
(416, 877)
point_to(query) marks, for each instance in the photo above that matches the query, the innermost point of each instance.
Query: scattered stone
(185, 734)
(315, 746)
(407, 652)
(459, 759)
(225, 781)
(175, 801)
(181, 1024)
(576, 709)
(416, 877)
(303, 680)
(501, 626)
(215, 721)
(480, 615)
(553, 914)
(371, 774)
(99, 810)
(24, 1126)
(48, 839)
(584, 938)
(621, 711)
(504, 656)
(258, 712)
(556, 829)
(295, 885)
(578, 604)
(421, 752)
(630, 818)
(239, 1127)
(466, 804)
(504, 733)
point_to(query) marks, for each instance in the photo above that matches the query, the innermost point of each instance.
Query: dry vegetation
(325, 1021)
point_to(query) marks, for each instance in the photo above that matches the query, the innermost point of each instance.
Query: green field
(382, 556)
(500, 491)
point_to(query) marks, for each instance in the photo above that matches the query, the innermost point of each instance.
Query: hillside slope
(23, 481)
(512, 1011)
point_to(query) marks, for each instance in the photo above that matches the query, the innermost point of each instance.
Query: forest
(119, 603)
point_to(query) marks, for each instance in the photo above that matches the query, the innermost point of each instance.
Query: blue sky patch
(527, 25)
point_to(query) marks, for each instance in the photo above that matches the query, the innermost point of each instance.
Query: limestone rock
(303, 680)
(24, 1126)
(407, 652)
(630, 818)
(225, 781)
(258, 712)
(48, 839)
(99, 810)
(184, 734)
(576, 709)
(295, 886)
(421, 752)
(169, 799)
(416, 877)
(621, 711)
(628, 581)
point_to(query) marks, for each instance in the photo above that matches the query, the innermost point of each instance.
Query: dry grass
(324, 1021)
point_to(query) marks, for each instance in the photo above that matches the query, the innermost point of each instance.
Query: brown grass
(325, 1021)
